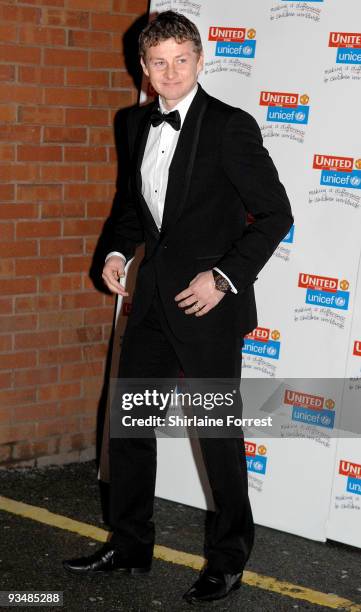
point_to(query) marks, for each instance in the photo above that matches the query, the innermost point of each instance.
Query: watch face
(222, 283)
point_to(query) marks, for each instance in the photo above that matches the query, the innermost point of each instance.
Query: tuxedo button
(165, 246)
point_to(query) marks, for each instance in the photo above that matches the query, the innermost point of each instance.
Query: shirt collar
(182, 106)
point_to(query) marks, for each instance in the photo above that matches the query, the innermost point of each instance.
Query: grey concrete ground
(31, 553)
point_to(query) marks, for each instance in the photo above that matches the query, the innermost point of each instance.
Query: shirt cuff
(115, 253)
(233, 289)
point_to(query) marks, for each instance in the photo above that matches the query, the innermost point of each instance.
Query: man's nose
(170, 71)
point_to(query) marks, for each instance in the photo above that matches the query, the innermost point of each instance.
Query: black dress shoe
(107, 560)
(212, 585)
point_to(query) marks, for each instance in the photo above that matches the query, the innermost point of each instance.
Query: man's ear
(145, 69)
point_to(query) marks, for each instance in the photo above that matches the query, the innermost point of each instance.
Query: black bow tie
(172, 118)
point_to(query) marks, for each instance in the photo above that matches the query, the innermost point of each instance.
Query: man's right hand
(112, 272)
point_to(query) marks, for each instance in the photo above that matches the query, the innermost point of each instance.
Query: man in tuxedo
(198, 169)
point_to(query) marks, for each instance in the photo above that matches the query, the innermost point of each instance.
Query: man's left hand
(201, 295)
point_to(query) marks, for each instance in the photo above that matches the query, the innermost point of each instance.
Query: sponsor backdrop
(296, 67)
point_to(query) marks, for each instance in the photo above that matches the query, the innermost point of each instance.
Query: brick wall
(62, 78)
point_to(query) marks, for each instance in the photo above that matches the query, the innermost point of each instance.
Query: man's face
(172, 69)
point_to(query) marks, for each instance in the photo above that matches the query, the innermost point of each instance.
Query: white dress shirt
(158, 154)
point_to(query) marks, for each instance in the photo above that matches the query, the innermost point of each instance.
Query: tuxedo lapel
(139, 148)
(180, 170)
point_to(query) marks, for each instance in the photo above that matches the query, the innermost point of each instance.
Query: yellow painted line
(196, 562)
(41, 515)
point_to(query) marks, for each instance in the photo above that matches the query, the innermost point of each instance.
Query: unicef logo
(271, 351)
(340, 301)
(247, 50)
(258, 467)
(325, 420)
(300, 116)
(355, 181)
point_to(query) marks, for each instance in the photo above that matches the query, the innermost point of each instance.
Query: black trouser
(150, 350)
